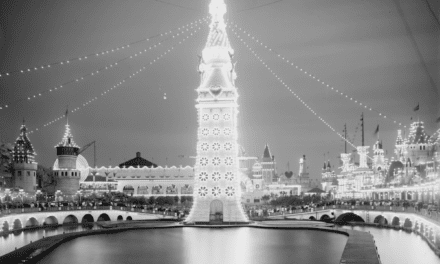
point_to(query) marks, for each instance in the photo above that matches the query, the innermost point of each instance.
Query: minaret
(303, 174)
(400, 145)
(25, 168)
(67, 175)
(217, 193)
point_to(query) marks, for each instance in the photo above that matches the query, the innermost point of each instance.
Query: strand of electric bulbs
(290, 90)
(182, 31)
(96, 54)
(246, 33)
(117, 85)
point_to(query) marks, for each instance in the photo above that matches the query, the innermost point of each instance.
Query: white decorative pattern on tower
(217, 195)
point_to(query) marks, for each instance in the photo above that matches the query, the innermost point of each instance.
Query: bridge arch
(312, 218)
(5, 226)
(50, 220)
(31, 222)
(88, 218)
(17, 224)
(349, 217)
(408, 223)
(395, 221)
(103, 217)
(381, 220)
(70, 219)
(129, 218)
(324, 217)
(120, 218)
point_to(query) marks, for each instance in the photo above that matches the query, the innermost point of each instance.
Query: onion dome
(23, 150)
(417, 134)
(67, 146)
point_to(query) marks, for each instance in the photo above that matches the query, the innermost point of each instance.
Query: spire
(266, 153)
(67, 140)
(217, 33)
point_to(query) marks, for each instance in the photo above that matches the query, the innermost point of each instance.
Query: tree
(265, 198)
(176, 199)
(151, 200)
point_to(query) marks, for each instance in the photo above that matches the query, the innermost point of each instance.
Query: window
(226, 116)
(19, 173)
(227, 131)
(205, 117)
(215, 117)
(216, 131)
(228, 161)
(28, 173)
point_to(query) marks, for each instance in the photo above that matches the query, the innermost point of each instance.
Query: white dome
(81, 165)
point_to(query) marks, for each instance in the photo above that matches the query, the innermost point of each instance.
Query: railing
(83, 208)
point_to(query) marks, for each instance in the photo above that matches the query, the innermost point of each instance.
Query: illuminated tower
(67, 174)
(25, 168)
(268, 163)
(363, 153)
(378, 157)
(217, 195)
(400, 146)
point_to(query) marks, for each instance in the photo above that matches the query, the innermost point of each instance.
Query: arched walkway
(103, 217)
(129, 218)
(88, 218)
(380, 220)
(17, 224)
(31, 222)
(70, 219)
(51, 220)
(120, 218)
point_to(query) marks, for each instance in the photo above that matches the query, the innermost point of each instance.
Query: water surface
(202, 245)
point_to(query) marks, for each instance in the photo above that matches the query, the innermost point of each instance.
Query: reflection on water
(203, 245)
(397, 246)
(21, 238)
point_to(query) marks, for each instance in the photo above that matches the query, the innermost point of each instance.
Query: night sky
(382, 53)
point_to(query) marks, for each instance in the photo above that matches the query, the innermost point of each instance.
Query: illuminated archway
(380, 220)
(349, 217)
(51, 220)
(103, 217)
(31, 222)
(88, 218)
(17, 224)
(70, 219)
(395, 221)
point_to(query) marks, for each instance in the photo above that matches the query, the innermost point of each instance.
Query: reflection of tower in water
(217, 194)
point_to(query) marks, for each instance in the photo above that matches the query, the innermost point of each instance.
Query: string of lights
(117, 85)
(289, 89)
(95, 54)
(325, 84)
(182, 31)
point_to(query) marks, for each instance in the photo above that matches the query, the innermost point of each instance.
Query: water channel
(237, 245)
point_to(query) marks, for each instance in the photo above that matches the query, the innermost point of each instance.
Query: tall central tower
(217, 195)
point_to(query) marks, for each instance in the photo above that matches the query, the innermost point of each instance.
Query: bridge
(34, 217)
(424, 223)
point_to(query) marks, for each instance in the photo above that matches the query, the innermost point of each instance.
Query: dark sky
(382, 53)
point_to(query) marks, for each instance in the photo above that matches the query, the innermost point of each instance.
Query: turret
(400, 145)
(25, 168)
(67, 175)
(378, 156)
(268, 163)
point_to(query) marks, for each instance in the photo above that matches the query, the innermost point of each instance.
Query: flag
(417, 107)
(438, 120)
(377, 130)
